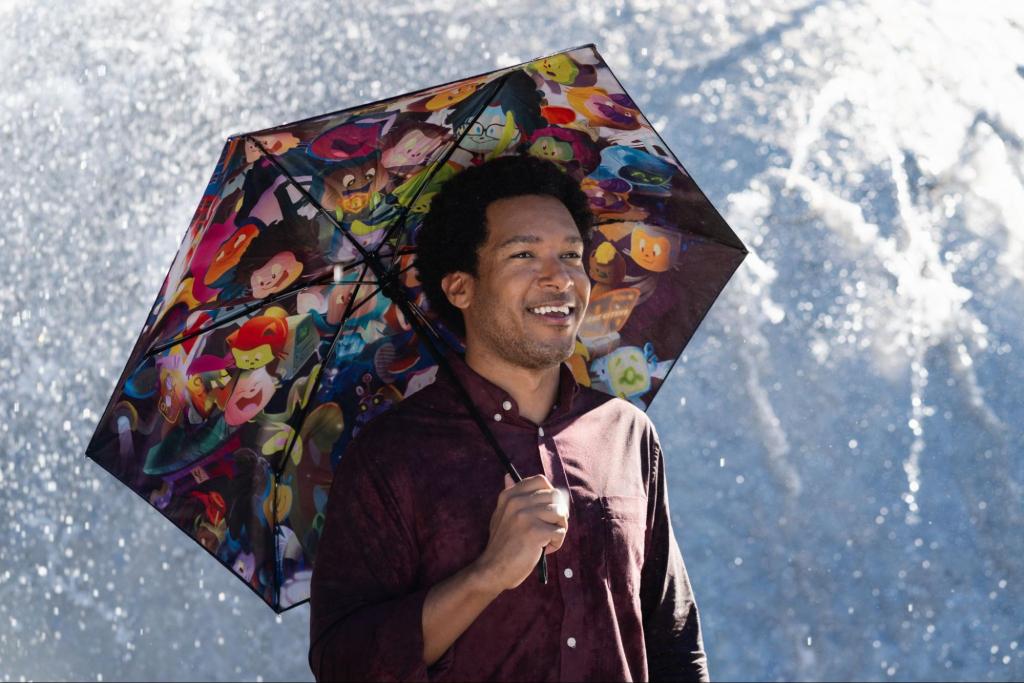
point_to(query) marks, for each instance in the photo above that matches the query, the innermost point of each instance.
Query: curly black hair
(455, 227)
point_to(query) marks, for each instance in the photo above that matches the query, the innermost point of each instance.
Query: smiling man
(426, 566)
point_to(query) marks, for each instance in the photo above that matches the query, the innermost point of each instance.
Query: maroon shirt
(411, 504)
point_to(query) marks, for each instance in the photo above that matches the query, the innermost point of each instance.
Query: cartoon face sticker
(609, 197)
(653, 248)
(278, 143)
(608, 312)
(253, 391)
(351, 141)
(413, 147)
(607, 265)
(373, 402)
(558, 68)
(634, 169)
(493, 129)
(274, 143)
(230, 253)
(275, 275)
(614, 110)
(260, 340)
(351, 187)
(451, 96)
(627, 372)
(637, 175)
(552, 149)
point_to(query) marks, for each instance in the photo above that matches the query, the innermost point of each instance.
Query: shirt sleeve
(675, 646)
(366, 612)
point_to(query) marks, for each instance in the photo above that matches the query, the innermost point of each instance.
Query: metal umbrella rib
(389, 284)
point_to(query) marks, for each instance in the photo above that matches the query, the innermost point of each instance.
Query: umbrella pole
(394, 290)
(387, 279)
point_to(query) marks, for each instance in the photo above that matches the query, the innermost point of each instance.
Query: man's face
(531, 291)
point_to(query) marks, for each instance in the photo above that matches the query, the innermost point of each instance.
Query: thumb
(508, 481)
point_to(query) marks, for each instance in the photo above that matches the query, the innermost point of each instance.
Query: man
(426, 569)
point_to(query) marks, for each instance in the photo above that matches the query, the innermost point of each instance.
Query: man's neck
(534, 391)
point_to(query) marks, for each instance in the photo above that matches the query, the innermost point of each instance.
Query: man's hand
(531, 517)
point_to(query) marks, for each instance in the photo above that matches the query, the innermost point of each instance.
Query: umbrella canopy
(291, 315)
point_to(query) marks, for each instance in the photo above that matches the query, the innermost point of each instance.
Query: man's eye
(521, 254)
(573, 254)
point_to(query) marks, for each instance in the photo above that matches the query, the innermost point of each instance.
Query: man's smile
(559, 314)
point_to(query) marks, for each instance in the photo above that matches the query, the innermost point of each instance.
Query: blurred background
(843, 433)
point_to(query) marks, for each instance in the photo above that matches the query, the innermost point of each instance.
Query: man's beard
(518, 349)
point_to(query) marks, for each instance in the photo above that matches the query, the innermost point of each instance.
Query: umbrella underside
(271, 342)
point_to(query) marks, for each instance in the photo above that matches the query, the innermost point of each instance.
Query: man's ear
(458, 287)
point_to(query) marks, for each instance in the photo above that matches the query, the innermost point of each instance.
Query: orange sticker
(608, 312)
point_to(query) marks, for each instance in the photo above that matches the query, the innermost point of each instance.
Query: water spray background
(845, 428)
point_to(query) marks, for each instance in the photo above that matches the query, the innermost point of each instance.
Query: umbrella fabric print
(291, 315)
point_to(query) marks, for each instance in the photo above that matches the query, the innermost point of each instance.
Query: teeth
(544, 310)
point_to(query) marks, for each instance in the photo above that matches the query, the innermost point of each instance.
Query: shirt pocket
(625, 529)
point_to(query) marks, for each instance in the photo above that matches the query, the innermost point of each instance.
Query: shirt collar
(493, 401)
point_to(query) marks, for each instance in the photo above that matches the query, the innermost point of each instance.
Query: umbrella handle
(542, 568)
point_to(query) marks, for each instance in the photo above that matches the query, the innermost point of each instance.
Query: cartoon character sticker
(275, 275)
(601, 108)
(652, 248)
(564, 70)
(608, 312)
(252, 392)
(628, 371)
(642, 173)
(260, 340)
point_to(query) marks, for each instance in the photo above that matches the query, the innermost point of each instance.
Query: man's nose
(555, 274)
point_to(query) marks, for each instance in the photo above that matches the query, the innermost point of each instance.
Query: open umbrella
(291, 315)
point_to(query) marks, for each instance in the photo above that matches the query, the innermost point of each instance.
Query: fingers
(552, 513)
(538, 482)
(557, 538)
(525, 487)
(550, 521)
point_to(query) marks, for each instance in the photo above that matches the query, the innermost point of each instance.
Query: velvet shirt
(411, 503)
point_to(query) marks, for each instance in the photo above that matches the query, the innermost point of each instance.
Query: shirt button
(571, 642)
(540, 431)
(507, 405)
(497, 417)
(568, 573)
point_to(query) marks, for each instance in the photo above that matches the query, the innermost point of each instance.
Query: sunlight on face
(531, 291)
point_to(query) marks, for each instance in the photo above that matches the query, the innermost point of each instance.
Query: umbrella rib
(400, 221)
(395, 291)
(351, 306)
(305, 193)
(296, 424)
(439, 164)
(379, 288)
(245, 311)
(278, 468)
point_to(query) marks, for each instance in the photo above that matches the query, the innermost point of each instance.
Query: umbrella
(291, 314)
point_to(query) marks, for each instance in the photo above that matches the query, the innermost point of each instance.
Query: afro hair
(455, 227)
